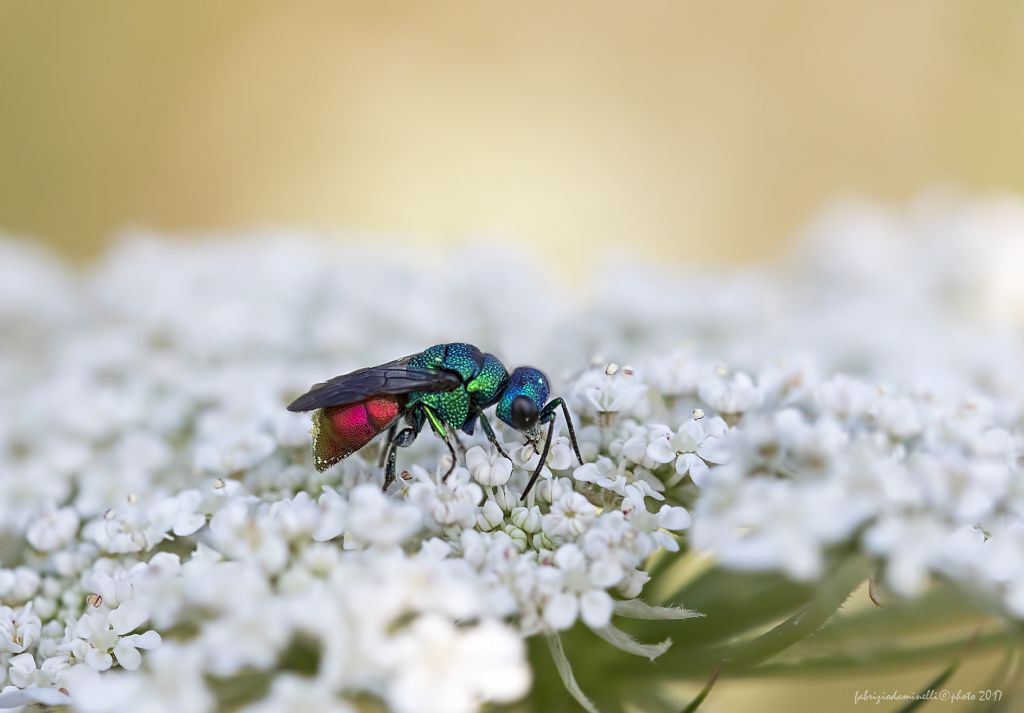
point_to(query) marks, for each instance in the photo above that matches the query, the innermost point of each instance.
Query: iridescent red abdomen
(339, 431)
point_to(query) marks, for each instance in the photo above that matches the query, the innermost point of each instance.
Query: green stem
(696, 702)
(919, 700)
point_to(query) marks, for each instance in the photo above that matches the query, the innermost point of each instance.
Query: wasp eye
(523, 413)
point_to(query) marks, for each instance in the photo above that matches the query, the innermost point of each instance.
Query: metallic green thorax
(483, 378)
(486, 386)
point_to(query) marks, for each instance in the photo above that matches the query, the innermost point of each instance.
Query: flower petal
(127, 655)
(561, 611)
(128, 617)
(596, 608)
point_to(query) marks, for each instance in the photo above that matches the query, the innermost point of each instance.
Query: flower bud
(527, 519)
(44, 607)
(633, 583)
(71, 600)
(505, 500)
(490, 516)
(543, 542)
(519, 538)
(542, 488)
(488, 469)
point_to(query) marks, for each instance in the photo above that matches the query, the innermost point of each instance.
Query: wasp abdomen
(339, 431)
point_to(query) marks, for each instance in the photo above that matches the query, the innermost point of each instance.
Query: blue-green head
(523, 399)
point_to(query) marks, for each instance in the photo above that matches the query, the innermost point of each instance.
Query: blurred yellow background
(676, 130)
(684, 130)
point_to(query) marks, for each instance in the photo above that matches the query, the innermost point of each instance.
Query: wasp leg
(403, 439)
(540, 463)
(387, 444)
(441, 429)
(490, 435)
(548, 412)
(451, 450)
(459, 445)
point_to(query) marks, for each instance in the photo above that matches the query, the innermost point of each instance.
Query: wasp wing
(387, 379)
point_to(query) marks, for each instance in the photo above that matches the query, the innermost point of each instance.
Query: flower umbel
(168, 544)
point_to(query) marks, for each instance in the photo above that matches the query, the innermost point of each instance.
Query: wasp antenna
(549, 410)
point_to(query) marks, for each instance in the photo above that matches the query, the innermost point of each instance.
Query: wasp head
(523, 399)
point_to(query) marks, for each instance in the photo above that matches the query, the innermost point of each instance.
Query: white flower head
(376, 519)
(53, 530)
(488, 468)
(18, 585)
(668, 517)
(442, 668)
(19, 629)
(606, 395)
(569, 517)
(290, 692)
(24, 673)
(730, 394)
(448, 501)
(181, 532)
(577, 589)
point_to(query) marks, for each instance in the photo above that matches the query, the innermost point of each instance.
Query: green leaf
(942, 608)
(636, 609)
(829, 596)
(1002, 684)
(732, 603)
(919, 699)
(565, 672)
(624, 642)
(885, 657)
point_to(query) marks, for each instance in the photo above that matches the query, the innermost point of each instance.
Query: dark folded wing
(393, 378)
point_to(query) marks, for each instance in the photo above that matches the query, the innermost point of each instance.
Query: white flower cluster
(166, 538)
(167, 545)
(813, 465)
